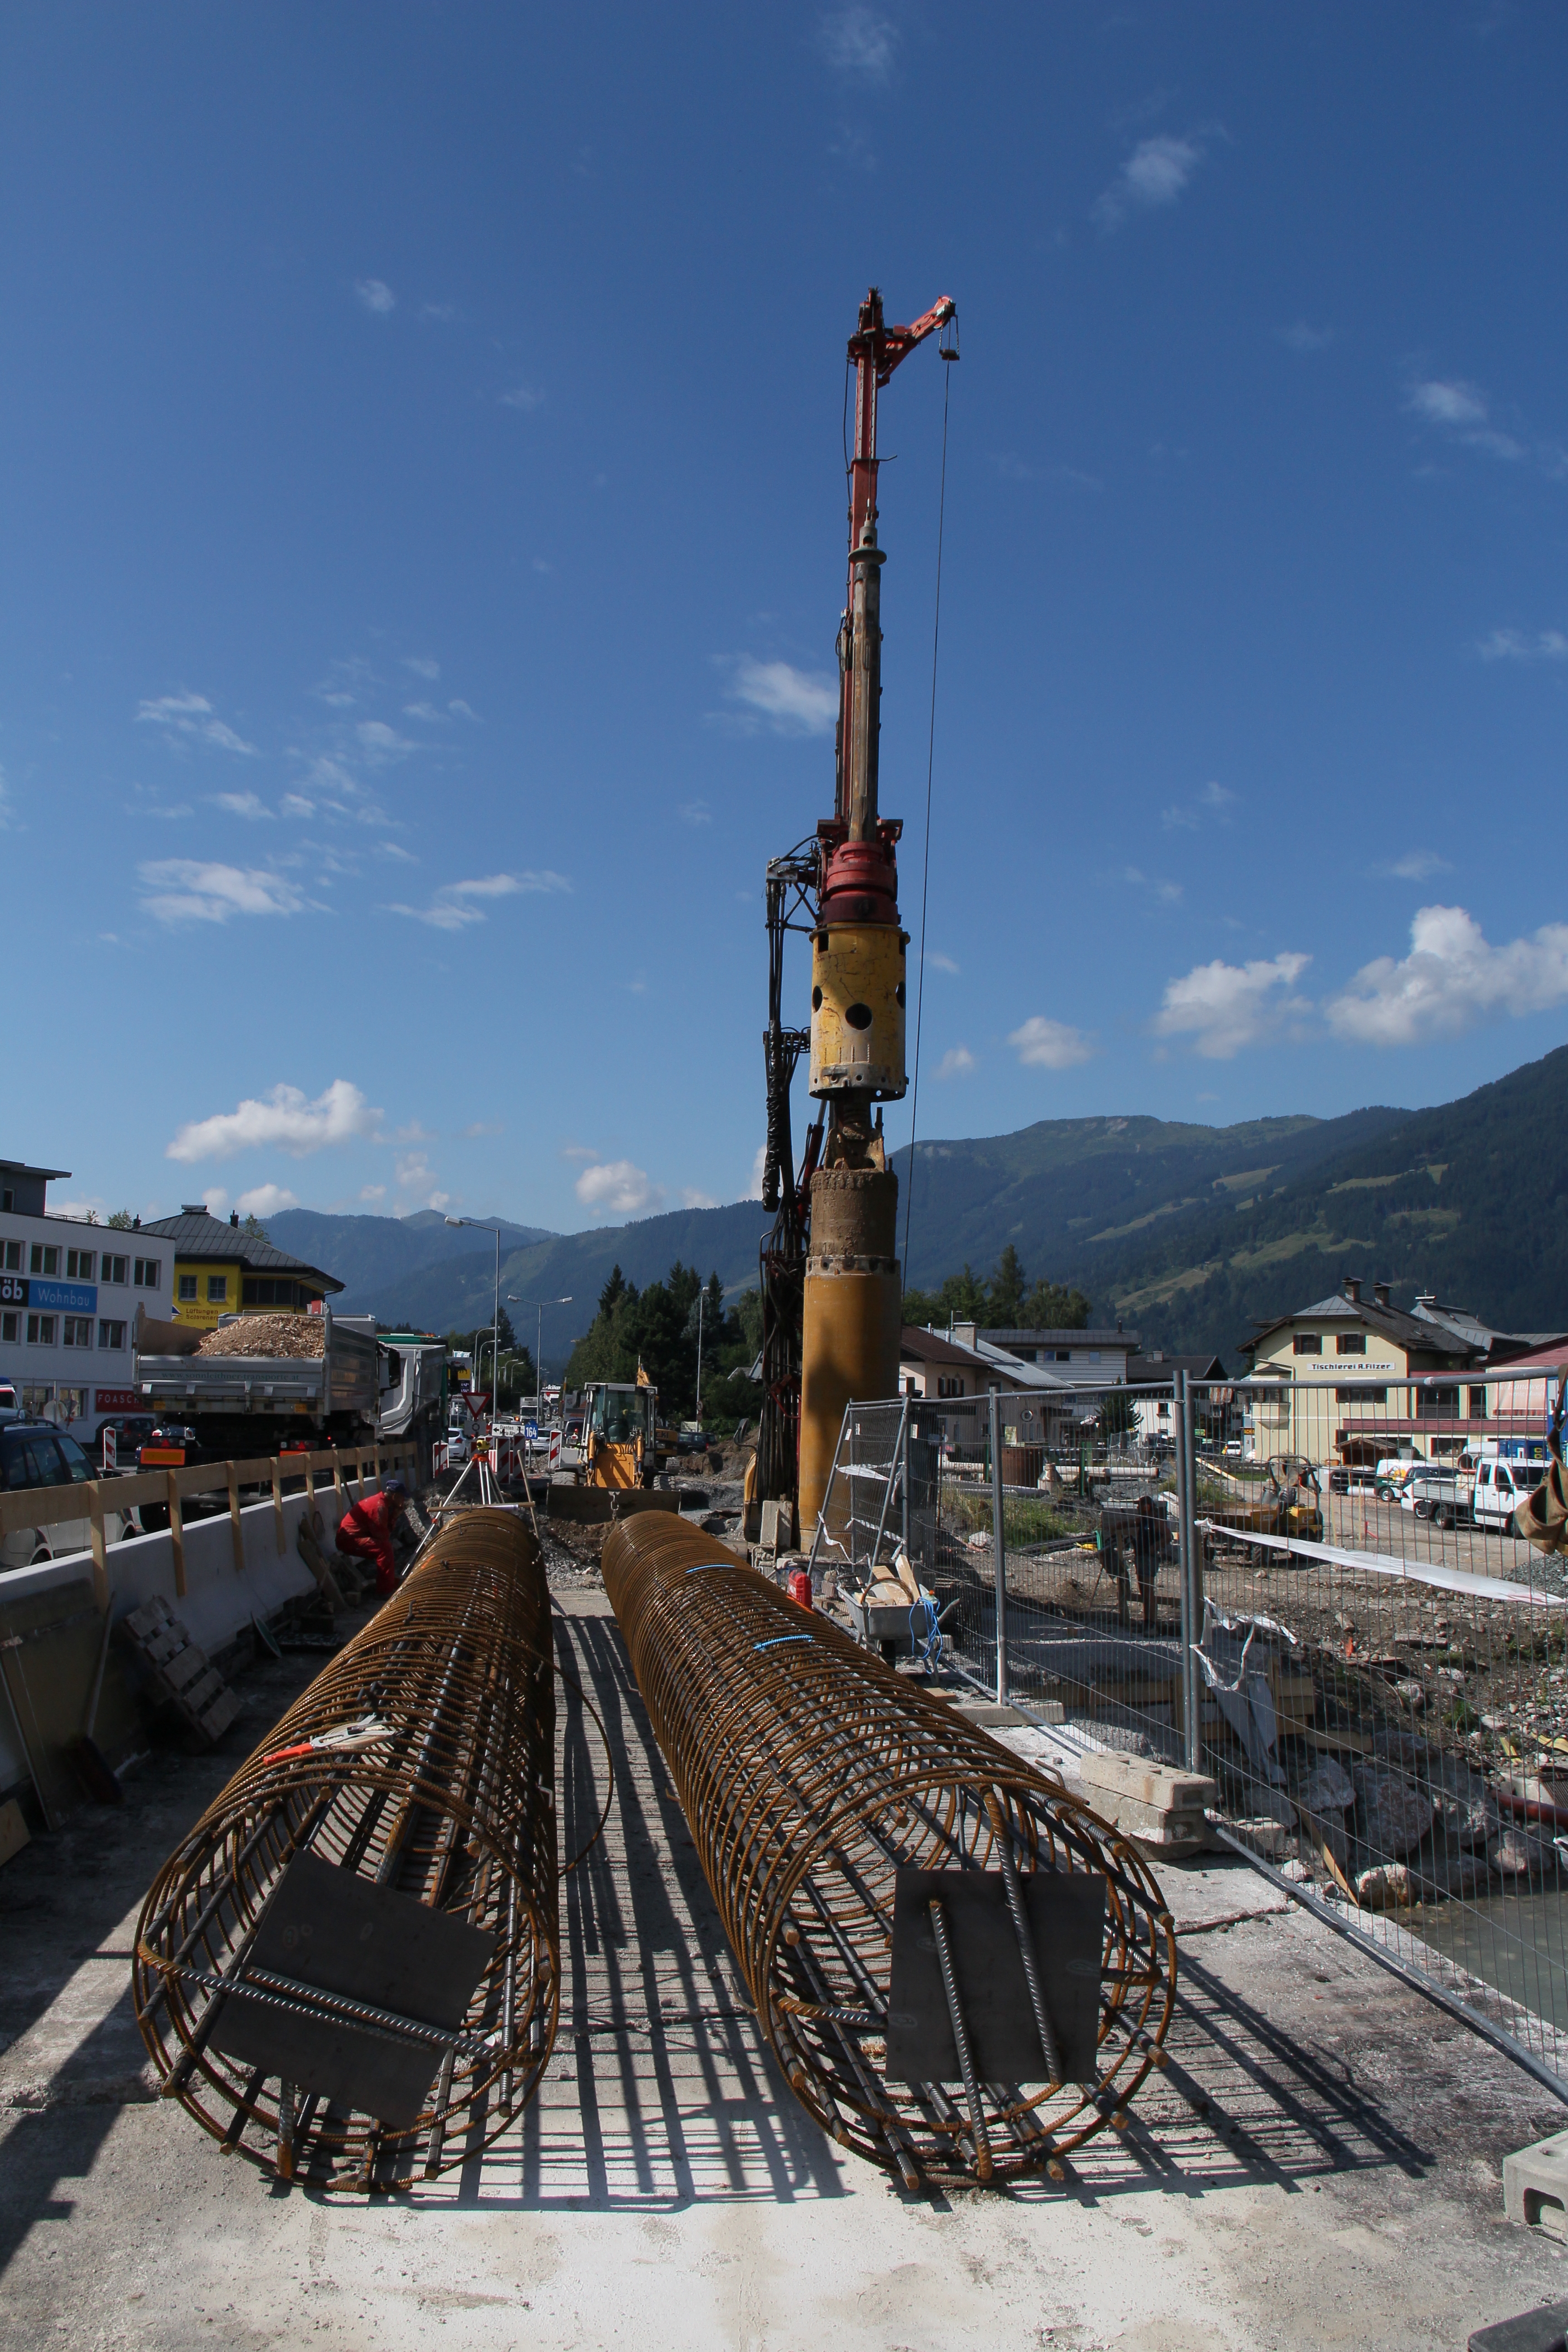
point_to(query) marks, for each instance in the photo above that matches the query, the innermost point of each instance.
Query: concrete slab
(1319, 2167)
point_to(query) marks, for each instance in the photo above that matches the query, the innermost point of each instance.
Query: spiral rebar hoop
(421, 1760)
(812, 1776)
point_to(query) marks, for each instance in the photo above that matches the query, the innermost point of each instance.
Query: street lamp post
(702, 1301)
(539, 1306)
(479, 1225)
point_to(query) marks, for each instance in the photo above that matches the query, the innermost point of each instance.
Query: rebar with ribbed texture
(811, 1774)
(449, 1801)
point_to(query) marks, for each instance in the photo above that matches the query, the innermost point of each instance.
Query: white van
(1500, 1487)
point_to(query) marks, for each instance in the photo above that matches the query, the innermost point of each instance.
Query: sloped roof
(1391, 1322)
(1144, 1369)
(197, 1236)
(931, 1347)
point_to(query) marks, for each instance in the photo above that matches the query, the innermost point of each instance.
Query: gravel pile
(267, 1335)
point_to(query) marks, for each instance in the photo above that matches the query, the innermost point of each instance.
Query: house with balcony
(1353, 1379)
(219, 1269)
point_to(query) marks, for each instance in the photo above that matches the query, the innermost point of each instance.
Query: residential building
(220, 1270)
(69, 1291)
(1353, 1379)
(1499, 1346)
(1048, 1404)
(1100, 1358)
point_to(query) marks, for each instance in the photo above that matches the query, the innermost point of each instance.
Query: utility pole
(480, 1225)
(539, 1306)
(701, 1302)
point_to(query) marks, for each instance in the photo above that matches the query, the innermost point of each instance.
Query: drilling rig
(829, 1268)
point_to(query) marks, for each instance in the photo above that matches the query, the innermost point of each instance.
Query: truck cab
(620, 1428)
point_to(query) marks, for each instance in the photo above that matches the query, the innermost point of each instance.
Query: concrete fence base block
(1544, 2330)
(1535, 2186)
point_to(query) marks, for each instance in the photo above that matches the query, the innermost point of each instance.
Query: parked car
(170, 1445)
(131, 1431)
(10, 1408)
(34, 1454)
(1232, 1449)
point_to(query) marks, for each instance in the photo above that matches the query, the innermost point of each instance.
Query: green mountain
(1189, 1234)
(1466, 1199)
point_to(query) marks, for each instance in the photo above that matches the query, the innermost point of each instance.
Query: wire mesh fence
(1318, 1600)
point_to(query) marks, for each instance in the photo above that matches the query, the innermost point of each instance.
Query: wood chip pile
(267, 1335)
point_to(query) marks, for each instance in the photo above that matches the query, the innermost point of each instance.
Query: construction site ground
(1320, 2165)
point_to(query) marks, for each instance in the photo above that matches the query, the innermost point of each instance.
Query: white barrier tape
(1376, 1563)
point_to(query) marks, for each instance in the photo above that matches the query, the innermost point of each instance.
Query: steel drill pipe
(812, 1776)
(421, 1761)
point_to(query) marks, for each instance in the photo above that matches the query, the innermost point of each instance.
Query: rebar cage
(815, 1780)
(419, 1765)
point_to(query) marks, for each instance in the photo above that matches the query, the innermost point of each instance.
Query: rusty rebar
(811, 1775)
(448, 1799)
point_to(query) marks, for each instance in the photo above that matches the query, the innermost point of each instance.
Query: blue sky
(423, 543)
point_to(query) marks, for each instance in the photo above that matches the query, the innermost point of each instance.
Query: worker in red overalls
(365, 1531)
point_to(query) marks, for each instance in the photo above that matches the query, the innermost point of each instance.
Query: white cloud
(1213, 800)
(376, 295)
(184, 890)
(296, 804)
(525, 396)
(372, 1192)
(245, 804)
(91, 1210)
(416, 1181)
(859, 44)
(463, 711)
(482, 1127)
(283, 1121)
(792, 701)
(694, 813)
(1223, 1006)
(266, 1200)
(1165, 890)
(578, 1151)
(940, 962)
(395, 851)
(1462, 409)
(754, 1189)
(382, 742)
(691, 1198)
(452, 909)
(191, 715)
(619, 1189)
(216, 1200)
(1154, 175)
(1302, 338)
(1049, 1045)
(1418, 865)
(422, 665)
(957, 1062)
(1522, 644)
(426, 711)
(1451, 979)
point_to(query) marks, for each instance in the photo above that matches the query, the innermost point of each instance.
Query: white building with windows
(68, 1296)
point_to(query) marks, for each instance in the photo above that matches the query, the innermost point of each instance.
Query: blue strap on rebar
(779, 1640)
(704, 1565)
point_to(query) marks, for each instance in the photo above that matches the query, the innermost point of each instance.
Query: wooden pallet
(179, 1671)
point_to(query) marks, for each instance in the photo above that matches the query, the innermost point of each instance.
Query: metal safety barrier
(354, 1958)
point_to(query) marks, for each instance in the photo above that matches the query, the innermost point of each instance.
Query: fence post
(999, 1547)
(1192, 1607)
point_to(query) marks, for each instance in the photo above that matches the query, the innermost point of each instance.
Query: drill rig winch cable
(935, 1934)
(354, 1958)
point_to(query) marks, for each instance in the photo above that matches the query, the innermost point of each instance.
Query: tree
(255, 1231)
(1050, 1306)
(121, 1220)
(1005, 1296)
(505, 1334)
(613, 1291)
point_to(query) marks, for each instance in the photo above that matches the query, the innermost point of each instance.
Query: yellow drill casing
(857, 997)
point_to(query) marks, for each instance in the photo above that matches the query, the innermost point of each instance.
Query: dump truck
(261, 1382)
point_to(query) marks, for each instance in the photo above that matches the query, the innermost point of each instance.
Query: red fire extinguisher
(800, 1587)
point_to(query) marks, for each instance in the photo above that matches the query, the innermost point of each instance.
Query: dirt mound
(267, 1335)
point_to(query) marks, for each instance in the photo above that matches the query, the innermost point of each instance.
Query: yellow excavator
(620, 1433)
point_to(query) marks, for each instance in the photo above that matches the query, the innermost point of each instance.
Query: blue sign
(67, 1297)
(530, 1429)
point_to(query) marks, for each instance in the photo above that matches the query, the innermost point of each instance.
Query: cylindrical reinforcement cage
(352, 1961)
(961, 1969)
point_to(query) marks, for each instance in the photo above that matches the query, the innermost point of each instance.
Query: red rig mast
(830, 1277)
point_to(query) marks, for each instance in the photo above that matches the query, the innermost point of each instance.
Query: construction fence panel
(1384, 1664)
